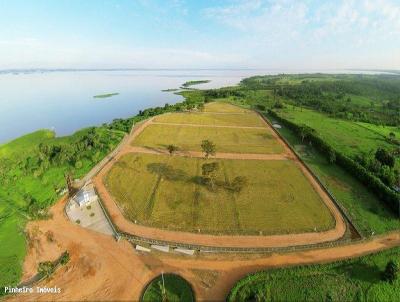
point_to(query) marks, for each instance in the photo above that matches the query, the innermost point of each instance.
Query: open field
(217, 119)
(237, 140)
(382, 129)
(166, 192)
(224, 107)
(346, 136)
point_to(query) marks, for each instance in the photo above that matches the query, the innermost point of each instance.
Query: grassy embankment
(346, 136)
(351, 280)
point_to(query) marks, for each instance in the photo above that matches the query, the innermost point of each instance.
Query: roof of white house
(85, 195)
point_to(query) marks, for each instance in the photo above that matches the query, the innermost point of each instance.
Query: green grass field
(166, 191)
(346, 136)
(239, 120)
(237, 140)
(351, 280)
(381, 129)
(365, 209)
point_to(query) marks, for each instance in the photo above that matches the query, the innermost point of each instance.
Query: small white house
(277, 126)
(85, 196)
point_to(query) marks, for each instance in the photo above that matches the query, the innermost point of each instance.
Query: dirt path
(127, 226)
(208, 126)
(102, 269)
(198, 154)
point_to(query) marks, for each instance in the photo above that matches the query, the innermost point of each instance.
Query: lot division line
(218, 155)
(207, 126)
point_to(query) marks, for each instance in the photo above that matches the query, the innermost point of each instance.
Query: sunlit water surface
(63, 100)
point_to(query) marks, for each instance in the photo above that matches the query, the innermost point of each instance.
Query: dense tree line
(332, 94)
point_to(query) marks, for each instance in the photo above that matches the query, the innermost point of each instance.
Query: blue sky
(280, 34)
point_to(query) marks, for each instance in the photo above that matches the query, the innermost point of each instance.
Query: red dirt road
(102, 269)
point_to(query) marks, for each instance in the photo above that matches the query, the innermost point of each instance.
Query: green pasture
(168, 192)
(382, 129)
(345, 136)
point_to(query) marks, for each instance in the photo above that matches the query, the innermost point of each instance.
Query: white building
(85, 196)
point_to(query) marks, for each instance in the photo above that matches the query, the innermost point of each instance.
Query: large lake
(64, 101)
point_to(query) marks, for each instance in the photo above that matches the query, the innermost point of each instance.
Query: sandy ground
(102, 269)
(212, 240)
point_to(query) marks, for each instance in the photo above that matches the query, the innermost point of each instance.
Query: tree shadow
(167, 172)
(362, 272)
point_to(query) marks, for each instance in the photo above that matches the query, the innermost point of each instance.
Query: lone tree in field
(391, 271)
(209, 172)
(208, 148)
(172, 149)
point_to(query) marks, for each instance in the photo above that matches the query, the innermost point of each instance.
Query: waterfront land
(353, 117)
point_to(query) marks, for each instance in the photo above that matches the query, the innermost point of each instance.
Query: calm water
(64, 101)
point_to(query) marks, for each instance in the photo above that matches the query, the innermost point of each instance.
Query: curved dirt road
(129, 227)
(102, 269)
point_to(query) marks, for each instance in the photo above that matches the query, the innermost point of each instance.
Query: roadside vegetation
(369, 278)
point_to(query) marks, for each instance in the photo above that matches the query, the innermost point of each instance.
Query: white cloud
(314, 29)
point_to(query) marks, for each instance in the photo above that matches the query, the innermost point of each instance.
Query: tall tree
(208, 148)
